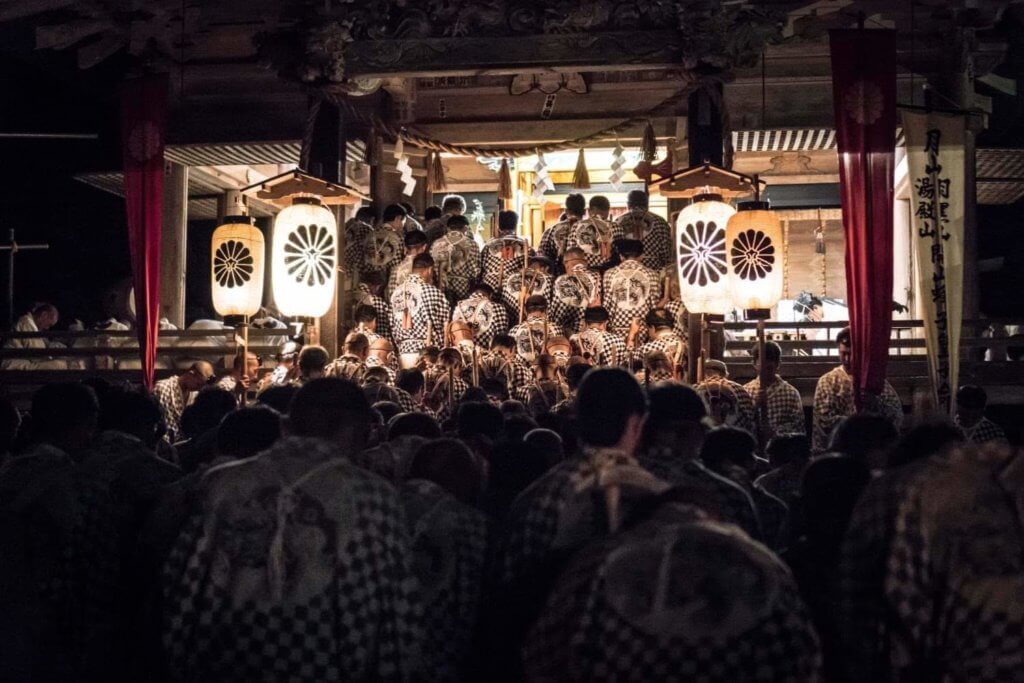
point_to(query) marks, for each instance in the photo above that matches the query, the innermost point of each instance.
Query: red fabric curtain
(864, 97)
(143, 111)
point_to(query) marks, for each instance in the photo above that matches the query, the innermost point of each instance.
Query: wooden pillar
(956, 85)
(385, 185)
(962, 79)
(972, 298)
(704, 128)
(328, 322)
(173, 243)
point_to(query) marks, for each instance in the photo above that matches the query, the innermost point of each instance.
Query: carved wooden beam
(513, 55)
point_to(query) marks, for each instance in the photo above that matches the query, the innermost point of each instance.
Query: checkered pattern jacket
(398, 275)
(721, 498)
(347, 367)
(172, 403)
(449, 547)
(487, 318)
(355, 233)
(633, 607)
(513, 372)
(667, 342)
(507, 250)
(541, 396)
(415, 305)
(529, 336)
(984, 431)
(383, 249)
(601, 346)
(654, 232)
(533, 532)
(954, 571)
(554, 240)
(630, 292)
(595, 237)
(833, 400)
(375, 362)
(295, 566)
(743, 416)
(678, 311)
(571, 294)
(538, 284)
(865, 622)
(456, 263)
(784, 406)
(364, 297)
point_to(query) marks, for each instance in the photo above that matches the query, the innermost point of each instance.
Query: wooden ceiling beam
(513, 55)
(536, 131)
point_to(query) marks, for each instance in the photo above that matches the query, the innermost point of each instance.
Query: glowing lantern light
(701, 255)
(305, 258)
(754, 240)
(236, 267)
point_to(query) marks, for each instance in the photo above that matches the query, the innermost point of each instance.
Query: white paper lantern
(236, 267)
(305, 258)
(701, 263)
(754, 238)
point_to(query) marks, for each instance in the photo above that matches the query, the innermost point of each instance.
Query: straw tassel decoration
(435, 173)
(581, 177)
(428, 164)
(504, 181)
(649, 145)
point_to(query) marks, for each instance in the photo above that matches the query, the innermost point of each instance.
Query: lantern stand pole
(242, 351)
(705, 342)
(312, 332)
(476, 367)
(763, 380)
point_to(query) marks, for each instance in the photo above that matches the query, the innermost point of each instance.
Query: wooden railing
(804, 359)
(98, 352)
(807, 359)
(118, 344)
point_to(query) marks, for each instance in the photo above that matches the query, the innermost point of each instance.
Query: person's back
(829, 491)
(673, 436)
(561, 511)
(313, 560)
(676, 597)
(787, 457)
(65, 540)
(953, 576)
(124, 455)
(449, 546)
(865, 619)
(729, 452)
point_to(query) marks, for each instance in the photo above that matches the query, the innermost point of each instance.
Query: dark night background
(45, 92)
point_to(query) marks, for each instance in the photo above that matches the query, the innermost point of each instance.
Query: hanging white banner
(404, 169)
(542, 181)
(935, 158)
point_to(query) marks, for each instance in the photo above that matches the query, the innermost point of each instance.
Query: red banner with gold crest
(143, 111)
(864, 97)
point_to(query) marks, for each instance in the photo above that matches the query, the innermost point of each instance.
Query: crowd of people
(329, 532)
(503, 477)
